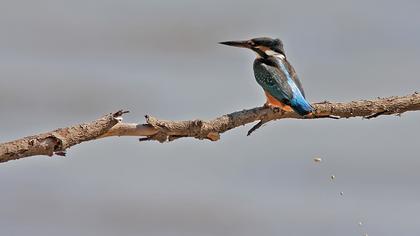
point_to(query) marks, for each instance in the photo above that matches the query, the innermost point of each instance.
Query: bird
(274, 73)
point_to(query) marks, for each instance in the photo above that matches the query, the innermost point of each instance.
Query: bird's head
(264, 47)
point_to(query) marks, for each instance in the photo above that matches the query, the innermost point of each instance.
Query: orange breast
(276, 103)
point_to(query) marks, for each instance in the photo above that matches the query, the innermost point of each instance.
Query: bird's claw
(275, 109)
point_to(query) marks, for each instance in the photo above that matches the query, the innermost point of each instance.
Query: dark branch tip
(144, 139)
(60, 153)
(255, 127)
(374, 115)
(119, 113)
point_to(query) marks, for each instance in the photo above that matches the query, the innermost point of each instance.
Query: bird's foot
(275, 109)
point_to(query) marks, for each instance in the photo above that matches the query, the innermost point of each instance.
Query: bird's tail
(302, 107)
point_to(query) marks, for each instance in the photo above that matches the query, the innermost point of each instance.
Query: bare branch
(200, 129)
(164, 130)
(59, 140)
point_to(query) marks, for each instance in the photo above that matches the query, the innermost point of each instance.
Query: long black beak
(241, 44)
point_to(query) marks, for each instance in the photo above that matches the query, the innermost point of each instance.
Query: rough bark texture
(163, 130)
(57, 141)
(170, 130)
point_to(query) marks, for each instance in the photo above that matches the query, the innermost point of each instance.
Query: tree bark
(58, 141)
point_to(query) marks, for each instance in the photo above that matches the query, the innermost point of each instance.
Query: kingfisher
(276, 75)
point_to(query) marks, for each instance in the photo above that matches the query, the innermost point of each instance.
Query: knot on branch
(161, 134)
(171, 130)
(47, 143)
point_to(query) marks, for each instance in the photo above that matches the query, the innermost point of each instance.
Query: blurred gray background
(65, 62)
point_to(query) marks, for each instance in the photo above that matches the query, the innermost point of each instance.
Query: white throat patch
(273, 53)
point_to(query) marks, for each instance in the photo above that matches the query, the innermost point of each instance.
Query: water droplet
(317, 159)
(332, 177)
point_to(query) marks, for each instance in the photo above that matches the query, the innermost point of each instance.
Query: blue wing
(272, 81)
(295, 77)
(275, 78)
